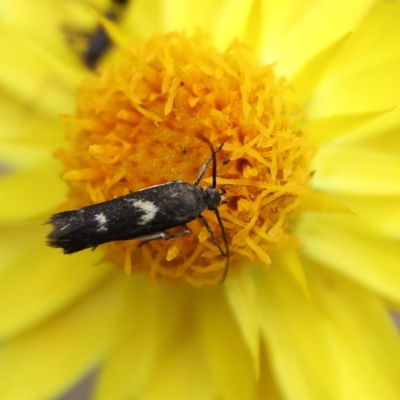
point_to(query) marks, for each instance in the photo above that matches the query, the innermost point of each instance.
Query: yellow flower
(314, 323)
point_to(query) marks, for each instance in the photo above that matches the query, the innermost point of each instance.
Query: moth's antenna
(212, 157)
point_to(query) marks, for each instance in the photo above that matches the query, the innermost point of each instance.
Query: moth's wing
(66, 222)
(148, 211)
(74, 230)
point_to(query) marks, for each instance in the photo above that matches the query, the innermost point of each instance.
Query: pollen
(137, 125)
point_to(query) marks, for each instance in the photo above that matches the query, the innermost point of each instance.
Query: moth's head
(214, 197)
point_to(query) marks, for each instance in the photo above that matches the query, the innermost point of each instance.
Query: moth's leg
(205, 223)
(164, 235)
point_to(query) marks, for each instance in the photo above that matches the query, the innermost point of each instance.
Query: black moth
(145, 214)
(98, 41)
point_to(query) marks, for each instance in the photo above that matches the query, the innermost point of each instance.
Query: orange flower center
(136, 126)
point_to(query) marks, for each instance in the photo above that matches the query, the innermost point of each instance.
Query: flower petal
(33, 185)
(381, 213)
(46, 30)
(36, 281)
(23, 158)
(226, 353)
(240, 293)
(22, 123)
(367, 368)
(148, 324)
(295, 338)
(290, 260)
(315, 348)
(267, 384)
(346, 245)
(365, 75)
(326, 129)
(44, 77)
(307, 78)
(179, 379)
(146, 18)
(291, 35)
(322, 202)
(356, 171)
(143, 18)
(232, 21)
(49, 358)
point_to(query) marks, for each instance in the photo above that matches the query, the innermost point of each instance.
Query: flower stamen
(136, 126)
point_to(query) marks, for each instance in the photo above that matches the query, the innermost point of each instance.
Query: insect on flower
(97, 42)
(146, 214)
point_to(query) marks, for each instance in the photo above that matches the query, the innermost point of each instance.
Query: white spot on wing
(64, 227)
(148, 207)
(101, 221)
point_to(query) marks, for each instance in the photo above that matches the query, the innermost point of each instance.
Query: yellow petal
(181, 14)
(49, 358)
(231, 21)
(25, 124)
(367, 368)
(182, 374)
(323, 203)
(381, 140)
(315, 348)
(240, 293)
(22, 158)
(356, 170)
(311, 73)
(292, 35)
(226, 353)
(46, 30)
(267, 384)
(36, 76)
(381, 213)
(252, 31)
(289, 260)
(365, 75)
(374, 30)
(37, 281)
(345, 244)
(326, 129)
(297, 345)
(33, 185)
(149, 322)
(18, 16)
(143, 18)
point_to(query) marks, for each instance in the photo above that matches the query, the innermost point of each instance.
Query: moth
(146, 215)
